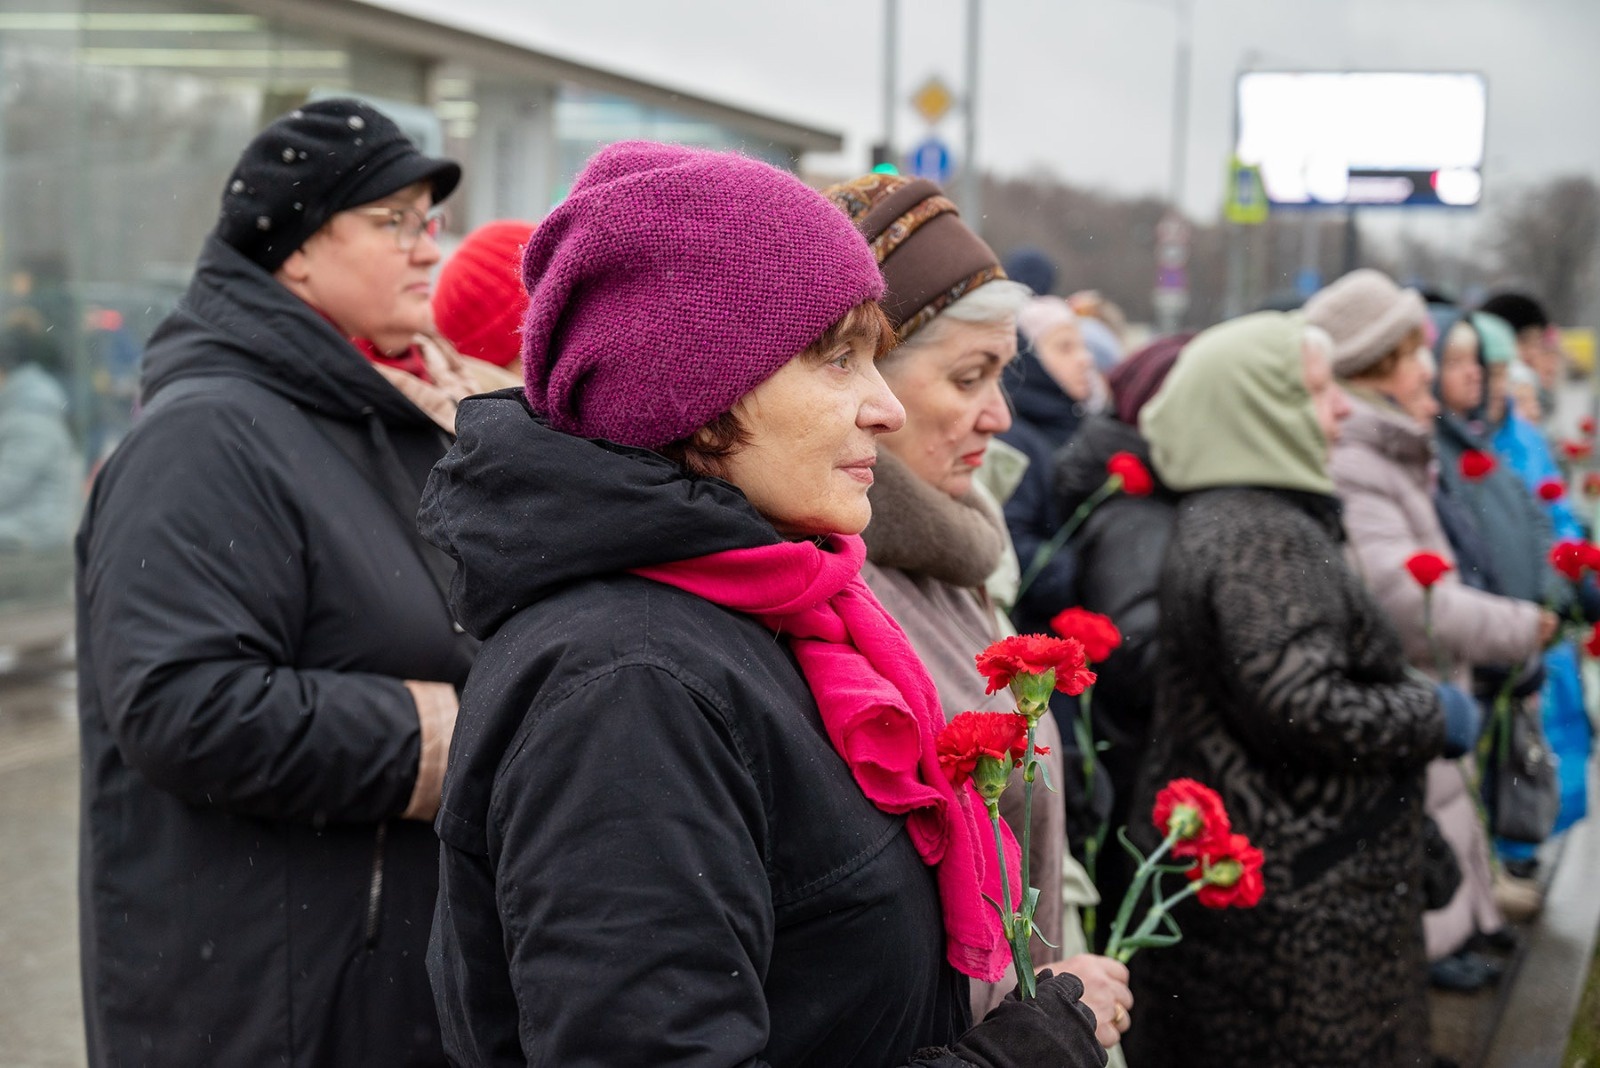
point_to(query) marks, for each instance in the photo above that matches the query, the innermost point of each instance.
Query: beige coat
(927, 558)
(1383, 469)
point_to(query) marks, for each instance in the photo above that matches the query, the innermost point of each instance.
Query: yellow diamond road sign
(933, 100)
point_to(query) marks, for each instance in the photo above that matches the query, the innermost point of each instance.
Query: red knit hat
(479, 300)
(672, 282)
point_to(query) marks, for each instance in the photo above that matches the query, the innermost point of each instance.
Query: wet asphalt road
(40, 1010)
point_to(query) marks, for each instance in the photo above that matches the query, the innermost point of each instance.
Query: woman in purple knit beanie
(694, 814)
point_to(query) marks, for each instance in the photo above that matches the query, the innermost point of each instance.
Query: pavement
(41, 1022)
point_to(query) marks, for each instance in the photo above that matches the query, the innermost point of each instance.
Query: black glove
(1441, 872)
(1589, 599)
(1487, 681)
(1055, 1028)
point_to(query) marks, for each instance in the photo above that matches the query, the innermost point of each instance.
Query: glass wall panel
(119, 123)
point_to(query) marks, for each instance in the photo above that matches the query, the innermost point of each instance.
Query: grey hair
(1318, 340)
(996, 302)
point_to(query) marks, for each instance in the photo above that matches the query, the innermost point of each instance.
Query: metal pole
(1170, 306)
(971, 192)
(1180, 103)
(891, 40)
(1352, 240)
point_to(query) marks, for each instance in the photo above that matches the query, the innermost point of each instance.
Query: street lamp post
(971, 184)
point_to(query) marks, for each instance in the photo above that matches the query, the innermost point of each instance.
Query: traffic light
(883, 159)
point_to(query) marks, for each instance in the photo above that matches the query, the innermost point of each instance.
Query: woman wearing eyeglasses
(268, 666)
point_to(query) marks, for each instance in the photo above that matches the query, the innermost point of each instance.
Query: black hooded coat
(1045, 418)
(251, 594)
(1119, 551)
(653, 854)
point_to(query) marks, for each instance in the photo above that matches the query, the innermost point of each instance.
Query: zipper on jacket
(375, 887)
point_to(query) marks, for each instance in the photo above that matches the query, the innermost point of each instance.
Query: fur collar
(922, 530)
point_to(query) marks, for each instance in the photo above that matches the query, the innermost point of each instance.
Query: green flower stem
(1086, 738)
(1502, 738)
(1029, 769)
(1433, 641)
(1017, 928)
(1091, 860)
(1091, 848)
(1048, 550)
(1141, 878)
(1007, 915)
(1152, 920)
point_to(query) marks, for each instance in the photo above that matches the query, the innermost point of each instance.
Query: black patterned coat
(1283, 686)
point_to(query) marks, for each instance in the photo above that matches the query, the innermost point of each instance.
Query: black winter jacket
(1119, 551)
(652, 853)
(251, 592)
(1515, 527)
(1044, 419)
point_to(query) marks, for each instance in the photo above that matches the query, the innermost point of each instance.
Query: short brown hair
(703, 451)
(1414, 339)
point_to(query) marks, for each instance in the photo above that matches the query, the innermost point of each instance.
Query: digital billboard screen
(1364, 137)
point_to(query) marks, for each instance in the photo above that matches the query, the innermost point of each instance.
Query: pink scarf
(881, 712)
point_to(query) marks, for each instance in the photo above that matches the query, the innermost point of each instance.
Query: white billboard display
(1360, 137)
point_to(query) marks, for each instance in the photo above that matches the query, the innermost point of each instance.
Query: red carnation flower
(1476, 465)
(983, 746)
(1230, 874)
(1571, 556)
(1036, 654)
(1100, 636)
(1551, 489)
(1591, 484)
(1136, 480)
(1592, 646)
(1586, 426)
(1428, 568)
(1577, 450)
(1195, 810)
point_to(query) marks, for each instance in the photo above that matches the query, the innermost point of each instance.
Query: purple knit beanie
(671, 282)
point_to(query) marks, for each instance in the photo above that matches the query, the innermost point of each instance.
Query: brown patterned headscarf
(929, 258)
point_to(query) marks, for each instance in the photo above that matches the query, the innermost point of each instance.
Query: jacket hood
(1039, 401)
(236, 319)
(30, 388)
(1081, 465)
(1377, 424)
(525, 510)
(1235, 411)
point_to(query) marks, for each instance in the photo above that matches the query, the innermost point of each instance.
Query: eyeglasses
(407, 224)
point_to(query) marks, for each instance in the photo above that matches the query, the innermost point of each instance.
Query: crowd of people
(542, 663)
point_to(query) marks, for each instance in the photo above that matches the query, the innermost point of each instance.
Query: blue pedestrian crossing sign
(930, 158)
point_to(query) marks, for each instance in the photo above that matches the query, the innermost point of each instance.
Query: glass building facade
(121, 119)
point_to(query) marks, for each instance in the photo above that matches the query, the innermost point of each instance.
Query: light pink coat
(1383, 470)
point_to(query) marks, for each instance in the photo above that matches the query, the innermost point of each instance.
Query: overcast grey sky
(1084, 87)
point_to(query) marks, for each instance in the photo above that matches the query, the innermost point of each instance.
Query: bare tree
(1547, 239)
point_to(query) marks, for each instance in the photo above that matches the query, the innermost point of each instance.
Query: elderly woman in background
(934, 538)
(1475, 353)
(1383, 469)
(695, 814)
(1050, 395)
(1282, 686)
